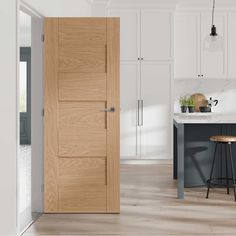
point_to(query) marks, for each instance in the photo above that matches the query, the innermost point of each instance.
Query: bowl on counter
(204, 109)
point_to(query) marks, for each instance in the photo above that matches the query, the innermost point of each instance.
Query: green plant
(183, 101)
(191, 102)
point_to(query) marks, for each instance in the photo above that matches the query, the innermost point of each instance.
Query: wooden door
(81, 139)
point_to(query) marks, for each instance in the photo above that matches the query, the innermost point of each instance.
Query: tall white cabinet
(146, 72)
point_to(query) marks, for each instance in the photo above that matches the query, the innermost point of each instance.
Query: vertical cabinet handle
(141, 123)
(140, 113)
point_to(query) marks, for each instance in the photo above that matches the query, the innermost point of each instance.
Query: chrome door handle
(111, 109)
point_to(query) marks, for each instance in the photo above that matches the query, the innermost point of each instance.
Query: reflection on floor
(26, 214)
(25, 178)
(149, 207)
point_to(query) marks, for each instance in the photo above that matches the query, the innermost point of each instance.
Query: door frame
(36, 140)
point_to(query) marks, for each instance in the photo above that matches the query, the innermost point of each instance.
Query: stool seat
(223, 138)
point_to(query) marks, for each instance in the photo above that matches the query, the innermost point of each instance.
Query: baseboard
(146, 161)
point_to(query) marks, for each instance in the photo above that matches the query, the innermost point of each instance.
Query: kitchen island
(193, 151)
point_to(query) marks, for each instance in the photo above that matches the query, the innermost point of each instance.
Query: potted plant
(191, 105)
(183, 101)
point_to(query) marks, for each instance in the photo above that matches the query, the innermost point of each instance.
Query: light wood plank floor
(149, 207)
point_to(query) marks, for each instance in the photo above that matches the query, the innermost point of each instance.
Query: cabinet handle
(141, 101)
(142, 58)
(138, 58)
(138, 113)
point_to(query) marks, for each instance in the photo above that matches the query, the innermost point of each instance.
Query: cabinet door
(128, 128)
(156, 35)
(156, 96)
(186, 46)
(129, 32)
(213, 64)
(232, 45)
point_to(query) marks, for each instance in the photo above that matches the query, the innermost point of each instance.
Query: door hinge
(42, 37)
(42, 112)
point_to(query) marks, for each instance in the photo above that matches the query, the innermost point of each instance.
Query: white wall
(61, 8)
(220, 89)
(8, 120)
(25, 30)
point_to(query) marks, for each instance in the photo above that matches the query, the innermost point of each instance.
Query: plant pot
(183, 109)
(191, 109)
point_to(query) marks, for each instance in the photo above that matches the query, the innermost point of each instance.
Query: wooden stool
(226, 141)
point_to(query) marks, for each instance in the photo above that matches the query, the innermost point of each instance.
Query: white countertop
(204, 118)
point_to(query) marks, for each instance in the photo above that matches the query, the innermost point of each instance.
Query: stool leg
(212, 167)
(232, 169)
(226, 166)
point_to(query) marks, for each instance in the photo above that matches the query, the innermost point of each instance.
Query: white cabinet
(129, 33)
(129, 83)
(191, 60)
(156, 35)
(187, 45)
(146, 41)
(232, 45)
(156, 97)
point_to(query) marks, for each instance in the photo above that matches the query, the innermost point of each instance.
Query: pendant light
(213, 42)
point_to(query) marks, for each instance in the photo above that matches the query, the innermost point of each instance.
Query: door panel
(82, 171)
(85, 199)
(187, 48)
(81, 86)
(83, 115)
(156, 43)
(80, 59)
(130, 33)
(76, 142)
(155, 129)
(130, 74)
(81, 140)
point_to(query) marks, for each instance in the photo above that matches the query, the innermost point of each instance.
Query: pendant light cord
(213, 11)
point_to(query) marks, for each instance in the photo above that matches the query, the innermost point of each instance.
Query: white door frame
(36, 109)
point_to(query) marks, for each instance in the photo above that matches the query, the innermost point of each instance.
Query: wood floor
(149, 207)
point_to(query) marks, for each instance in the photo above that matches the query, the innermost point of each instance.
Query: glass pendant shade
(213, 43)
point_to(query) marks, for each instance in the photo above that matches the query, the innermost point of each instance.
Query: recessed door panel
(82, 86)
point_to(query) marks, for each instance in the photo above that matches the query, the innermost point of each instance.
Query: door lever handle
(112, 109)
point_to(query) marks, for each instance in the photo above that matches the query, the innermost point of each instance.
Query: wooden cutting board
(199, 100)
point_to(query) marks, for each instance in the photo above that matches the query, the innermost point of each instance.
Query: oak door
(82, 115)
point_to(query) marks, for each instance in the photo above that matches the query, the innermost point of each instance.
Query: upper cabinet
(156, 35)
(191, 60)
(187, 45)
(214, 64)
(232, 45)
(129, 32)
(146, 34)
